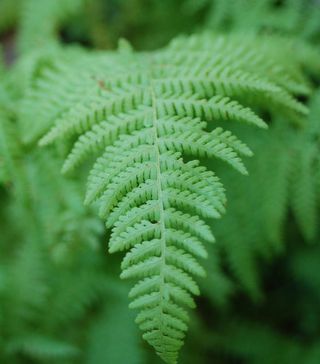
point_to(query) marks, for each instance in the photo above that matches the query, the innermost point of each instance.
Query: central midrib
(163, 245)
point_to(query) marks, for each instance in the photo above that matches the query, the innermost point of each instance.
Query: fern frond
(288, 178)
(40, 22)
(149, 128)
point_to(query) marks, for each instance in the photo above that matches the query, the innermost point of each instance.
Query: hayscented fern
(149, 121)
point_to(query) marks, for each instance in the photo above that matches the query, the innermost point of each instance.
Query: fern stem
(160, 199)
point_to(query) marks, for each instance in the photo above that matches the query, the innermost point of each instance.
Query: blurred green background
(61, 300)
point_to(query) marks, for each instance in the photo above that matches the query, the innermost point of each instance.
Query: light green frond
(146, 117)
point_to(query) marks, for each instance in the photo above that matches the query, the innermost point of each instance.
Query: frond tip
(151, 121)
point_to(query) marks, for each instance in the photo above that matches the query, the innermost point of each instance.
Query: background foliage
(60, 297)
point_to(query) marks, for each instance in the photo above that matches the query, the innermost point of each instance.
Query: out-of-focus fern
(40, 270)
(147, 112)
(42, 20)
(293, 336)
(291, 17)
(291, 188)
(37, 268)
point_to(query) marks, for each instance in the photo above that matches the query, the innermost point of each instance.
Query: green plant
(157, 127)
(146, 113)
